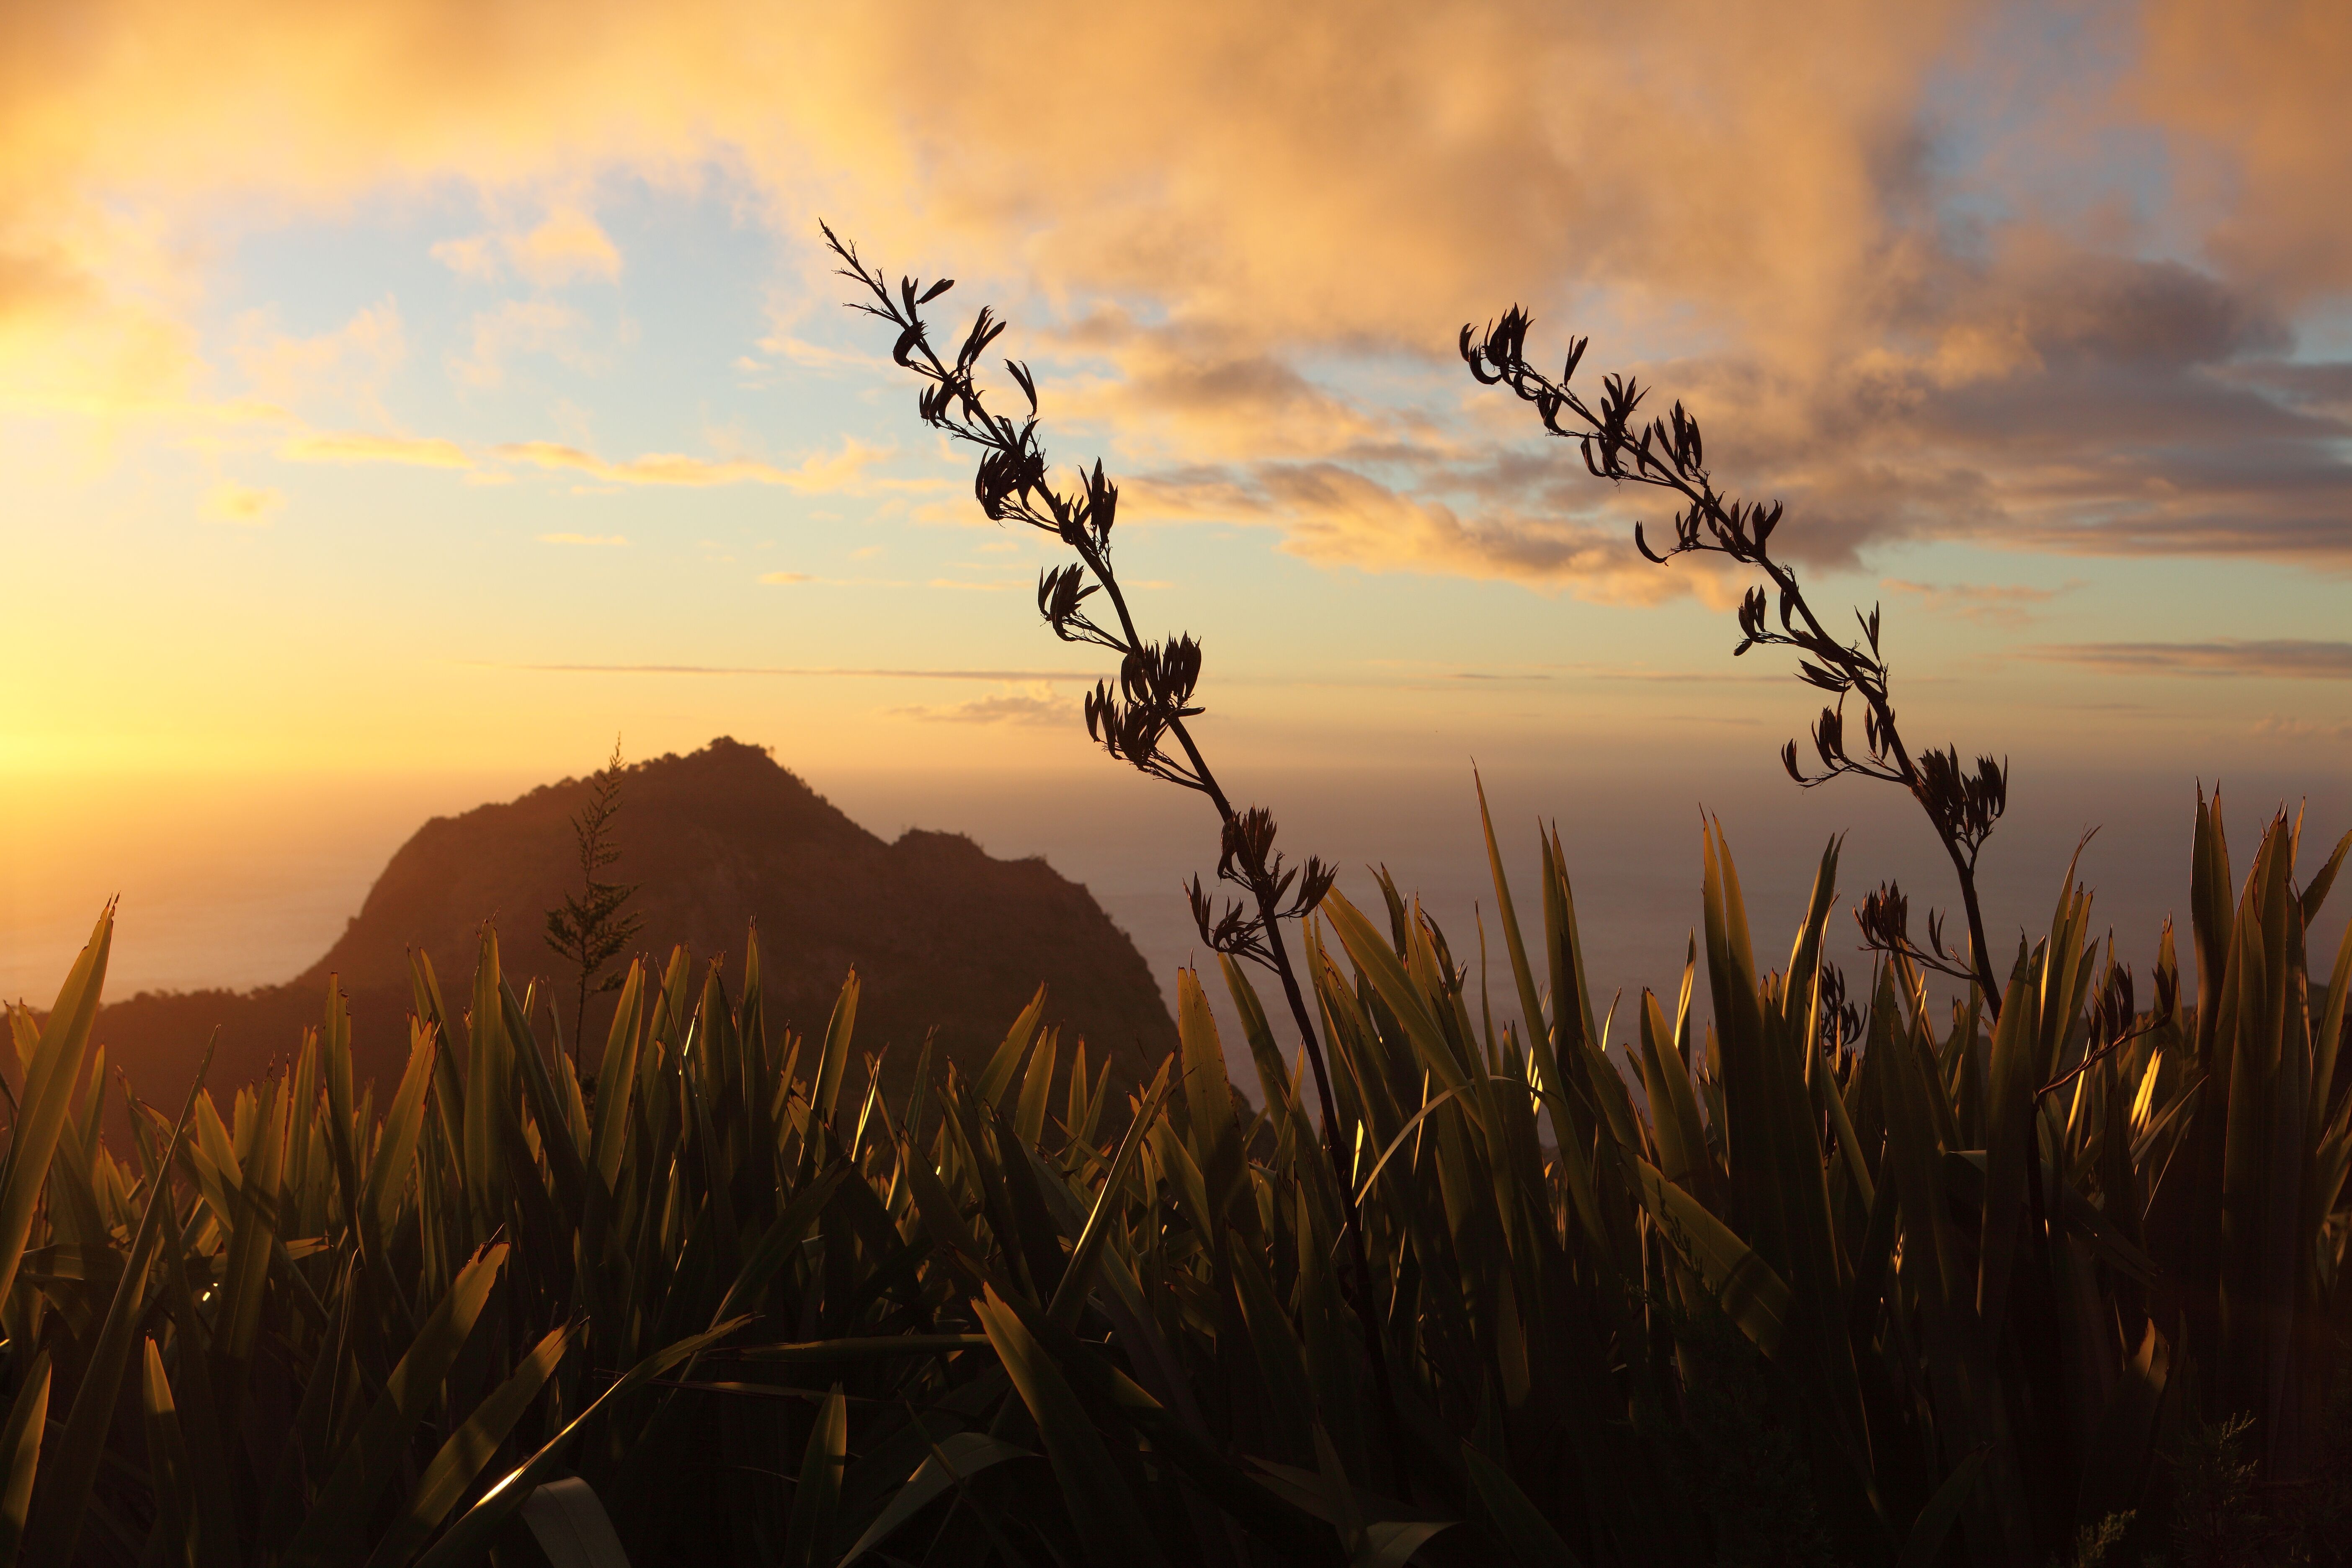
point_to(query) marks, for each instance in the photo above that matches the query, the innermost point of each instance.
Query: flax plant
(1962, 805)
(1155, 696)
(1944, 1295)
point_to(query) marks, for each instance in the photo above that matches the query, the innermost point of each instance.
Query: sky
(401, 400)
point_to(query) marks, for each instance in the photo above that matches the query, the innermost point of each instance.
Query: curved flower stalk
(1142, 719)
(1962, 804)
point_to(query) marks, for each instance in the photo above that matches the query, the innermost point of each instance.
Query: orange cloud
(816, 475)
(2254, 96)
(520, 326)
(1302, 203)
(352, 361)
(568, 245)
(248, 506)
(2279, 658)
(421, 452)
(1987, 604)
(1336, 516)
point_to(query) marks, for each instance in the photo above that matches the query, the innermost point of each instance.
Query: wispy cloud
(520, 326)
(568, 244)
(351, 362)
(582, 539)
(2278, 659)
(804, 670)
(352, 447)
(818, 474)
(1987, 603)
(2286, 728)
(1875, 327)
(1008, 708)
(246, 506)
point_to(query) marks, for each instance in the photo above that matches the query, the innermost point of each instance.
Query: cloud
(582, 539)
(2252, 97)
(786, 579)
(1333, 515)
(475, 256)
(2278, 659)
(818, 474)
(1036, 707)
(2281, 727)
(566, 246)
(1278, 216)
(995, 675)
(352, 361)
(246, 506)
(1986, 604)
(517, 327)
(350, 446)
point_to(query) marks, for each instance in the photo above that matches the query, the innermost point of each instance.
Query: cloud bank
(1943, 270)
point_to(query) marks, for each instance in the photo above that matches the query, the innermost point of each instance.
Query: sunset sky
(397, 401)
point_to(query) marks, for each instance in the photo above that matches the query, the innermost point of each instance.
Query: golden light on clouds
(1891, 254)
(1239, 185)
(248, 506)
(348, 447)
(818, 474)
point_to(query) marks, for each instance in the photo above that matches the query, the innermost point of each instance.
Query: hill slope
(941, 935)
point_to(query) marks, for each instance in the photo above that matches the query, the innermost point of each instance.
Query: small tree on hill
(589, 929)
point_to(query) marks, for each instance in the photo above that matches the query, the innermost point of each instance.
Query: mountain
(943, 937)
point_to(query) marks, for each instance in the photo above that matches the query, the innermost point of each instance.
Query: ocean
(248, 885)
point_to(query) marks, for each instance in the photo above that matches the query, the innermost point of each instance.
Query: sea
(246, 884)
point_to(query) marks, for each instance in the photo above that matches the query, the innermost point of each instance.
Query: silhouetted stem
(980, 429)
(1963, 864)
(1262, 887)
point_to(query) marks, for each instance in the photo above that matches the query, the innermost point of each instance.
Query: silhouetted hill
(943, 936)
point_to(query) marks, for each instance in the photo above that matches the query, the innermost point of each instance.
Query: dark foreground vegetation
(1823, 1280)
(1779, 1274)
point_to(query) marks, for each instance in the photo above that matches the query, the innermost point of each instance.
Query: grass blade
(469, 1448)
(1110, 1525)
(466, 1540)
(817, 1487)
(569, 1521)
(954, 1460)
(49, 1076)
(64, 1496)
(20, 1453)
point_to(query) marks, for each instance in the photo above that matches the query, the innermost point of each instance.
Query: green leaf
(20, 1453)
(569, 1521)
(1390, 1543)
(954, 1460)
(469, 1537)
(1752, 1295)
(49, 1078)
(816, 1489)
(1070, 1295)
(1935, 1522)
(64, 1497)
(469, 1448)
(1521, 1527)
(1110, 1525)
(1029, 1111)
(997, 1076)
(395, 1147)
(167, 1461)
(1207, 1091)
(835, 1060)
(377, 1451)
(1374, 956)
